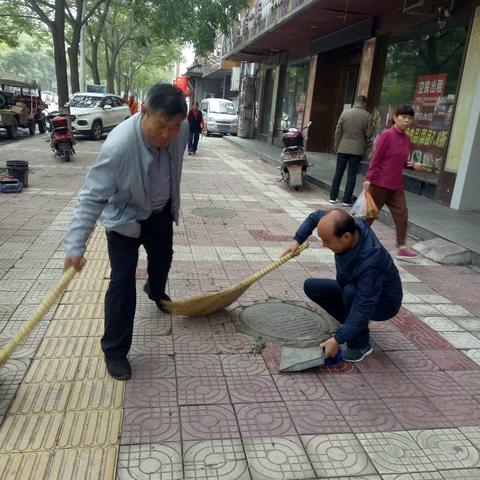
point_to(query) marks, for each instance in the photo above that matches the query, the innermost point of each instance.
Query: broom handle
(280, 261)
(37, 315)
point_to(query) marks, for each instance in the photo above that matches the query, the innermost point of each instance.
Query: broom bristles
(213, 302)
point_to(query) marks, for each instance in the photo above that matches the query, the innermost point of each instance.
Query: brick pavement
(203, 403)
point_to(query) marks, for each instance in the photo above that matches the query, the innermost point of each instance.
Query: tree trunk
(73, 58)
(94, 64)
(58, 34)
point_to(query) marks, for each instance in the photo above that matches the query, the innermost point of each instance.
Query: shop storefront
(294, 95)
(422, 67)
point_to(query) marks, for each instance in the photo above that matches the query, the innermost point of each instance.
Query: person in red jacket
(196, 124)
(385, 174)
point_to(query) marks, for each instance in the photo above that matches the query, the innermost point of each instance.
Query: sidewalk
(427, 219)
(207, 401)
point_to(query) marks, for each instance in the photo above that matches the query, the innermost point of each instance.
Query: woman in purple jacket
(385, 174)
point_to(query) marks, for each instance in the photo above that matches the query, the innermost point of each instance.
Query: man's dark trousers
(337, 301)
(353, 162)
(120, 299)
(193, 138)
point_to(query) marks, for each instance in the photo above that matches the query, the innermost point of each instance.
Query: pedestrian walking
(133, 105)
(385, 174)
(367, 285)
(196, 124)
(134, 187)
(353, 137)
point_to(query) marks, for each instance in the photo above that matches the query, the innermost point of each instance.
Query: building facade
(312, 58)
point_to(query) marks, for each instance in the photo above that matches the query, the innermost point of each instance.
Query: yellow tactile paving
(84, 463)
(52, 370)
(99, 394)
(24, 433)
(41, 398)
(90, 428)
(65, 420)
(23, 466)
(86, 327)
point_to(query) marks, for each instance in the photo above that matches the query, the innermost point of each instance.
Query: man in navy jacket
(367, 286)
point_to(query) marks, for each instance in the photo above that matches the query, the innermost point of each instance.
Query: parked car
(93, 114)
(220, 116)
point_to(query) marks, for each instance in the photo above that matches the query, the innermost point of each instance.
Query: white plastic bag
(360, 208)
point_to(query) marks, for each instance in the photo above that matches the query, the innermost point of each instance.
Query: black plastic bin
(18, 169)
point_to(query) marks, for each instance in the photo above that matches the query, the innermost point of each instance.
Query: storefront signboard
(366, 68)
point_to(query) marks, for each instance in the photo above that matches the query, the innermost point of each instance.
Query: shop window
(294, 98)
(424, 71)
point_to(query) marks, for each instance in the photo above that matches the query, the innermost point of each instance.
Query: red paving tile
(264, 419)
(300, 386)
(346, 387)
(451, 360)
(392, 385)
(468, 380)
(435, 383)
(377, 362)
(198, 364)
(243, 364)
(151, 392)
(370, 415)
(152, 366)
(252, 389)
(202, 391)
(412, 361)
(461, 410)
(388, 341)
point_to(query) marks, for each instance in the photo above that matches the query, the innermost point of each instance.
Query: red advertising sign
(427, 93)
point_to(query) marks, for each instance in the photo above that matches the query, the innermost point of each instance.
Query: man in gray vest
(353, 137)
(134, 187)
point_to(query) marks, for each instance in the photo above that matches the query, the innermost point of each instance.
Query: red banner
(427, 93)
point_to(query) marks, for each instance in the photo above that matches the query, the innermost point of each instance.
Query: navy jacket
(195, 124)
(369, 267)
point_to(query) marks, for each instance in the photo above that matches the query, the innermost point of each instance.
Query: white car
(96, 113)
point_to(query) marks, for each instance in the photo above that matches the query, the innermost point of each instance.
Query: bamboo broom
(37, 315)
(212, 302)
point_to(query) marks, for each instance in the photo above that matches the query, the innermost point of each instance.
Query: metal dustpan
(295, 359)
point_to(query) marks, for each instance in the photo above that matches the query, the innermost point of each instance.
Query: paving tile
(13, 371)
(452, 360)
(463, 474)
(157, 461)
(301, 386)
(471, 324)
(447, 448)
(243, 364)
(388, 385)
(252, 389)
(202, 391)
(12, 328)
(417, 413)
(82, 463)
(421, 309)
(25, 350)
(388, 341)
(346, 387)
(150, 425)
(55, 347)
(435, 383)
(461, 340)
(316, 417)
(414, 476)
(468, 380)
(335, 455)
(151, 392)
(24, 312)
(412, 361)
(52, 370)
(460, 410)
(92, 368)
(97, 394)
(215, 459)
(264, 419)
(24, 465)
(191, 326)
(87, 327)
(271, 355)
(8, 391)
(473, 354)
(368, 415)
(198, 365)
(394, 452)
(234, 343)
(41, 398)
(452, 310)
(442, 324)
(6, 311)
(153, 325)
(90, 428)
(207, 422)
(277, 458)
(152, 366)
(344, 368)
(472, 433)
(23, 433)
(148, 345)
(194, 344)
(377, 362)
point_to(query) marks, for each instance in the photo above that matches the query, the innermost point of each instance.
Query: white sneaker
(347, 204)
(333, 202)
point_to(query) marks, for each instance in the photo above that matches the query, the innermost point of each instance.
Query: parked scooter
(293, 159)
(61, 137)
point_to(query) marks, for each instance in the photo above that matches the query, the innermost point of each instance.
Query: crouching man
(367, 285)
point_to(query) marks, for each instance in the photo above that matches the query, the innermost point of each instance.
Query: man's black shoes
(163, 296)
(118, 368)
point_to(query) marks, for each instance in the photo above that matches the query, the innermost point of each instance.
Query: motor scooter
(293, 159)
(61, 137)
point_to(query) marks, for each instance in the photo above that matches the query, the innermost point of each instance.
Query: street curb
(414, 230)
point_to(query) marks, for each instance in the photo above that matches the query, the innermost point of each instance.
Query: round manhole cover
(214, 212)
(285, 321)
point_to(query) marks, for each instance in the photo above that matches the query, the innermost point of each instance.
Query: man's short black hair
(404, 110)
(167, 99)
(343, 223)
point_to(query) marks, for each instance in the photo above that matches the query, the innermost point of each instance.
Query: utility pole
(83, 86)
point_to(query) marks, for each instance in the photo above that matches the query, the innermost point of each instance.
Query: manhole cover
(214, 212)
(285, 321)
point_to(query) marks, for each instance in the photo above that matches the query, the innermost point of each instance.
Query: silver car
(220, 116)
